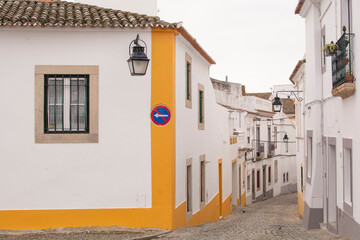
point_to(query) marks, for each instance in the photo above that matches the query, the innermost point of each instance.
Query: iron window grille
(66, 104)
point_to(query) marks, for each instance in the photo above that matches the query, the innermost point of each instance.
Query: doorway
(253, 184)
(234, 184)
(264, 182)
(220, 189)
(240, 201)
(331, 189)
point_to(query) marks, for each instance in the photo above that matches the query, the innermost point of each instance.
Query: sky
(254, 42)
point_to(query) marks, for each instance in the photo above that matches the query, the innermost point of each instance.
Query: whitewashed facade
(266, 165)
(331, 193)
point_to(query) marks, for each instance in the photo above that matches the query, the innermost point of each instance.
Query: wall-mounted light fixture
(138, 61)
(277, 103)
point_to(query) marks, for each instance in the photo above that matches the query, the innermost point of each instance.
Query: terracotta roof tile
(288, 105)
(264, 95)
(298, 65)
(60, 13)
(299, 6)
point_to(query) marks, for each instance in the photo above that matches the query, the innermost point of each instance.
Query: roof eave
(195, 44)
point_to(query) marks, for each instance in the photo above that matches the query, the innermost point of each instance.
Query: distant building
(266, 164)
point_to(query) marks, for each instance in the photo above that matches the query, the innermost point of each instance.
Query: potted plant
(349, 76)
(330, 49)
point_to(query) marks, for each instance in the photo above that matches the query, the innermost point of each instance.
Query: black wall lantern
(277, 104)
(138, 61)
(286, 138)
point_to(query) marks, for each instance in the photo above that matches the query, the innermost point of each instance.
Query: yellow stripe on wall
(163, 138)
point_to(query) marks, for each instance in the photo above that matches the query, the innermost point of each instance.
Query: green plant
(330, 47)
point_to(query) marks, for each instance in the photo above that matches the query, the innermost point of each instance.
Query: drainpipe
(317, 5)
(349, 29)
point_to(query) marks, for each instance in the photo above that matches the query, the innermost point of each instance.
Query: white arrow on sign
(160, 115)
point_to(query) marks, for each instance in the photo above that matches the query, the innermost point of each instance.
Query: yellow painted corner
(243, 200)
(227, 206)
(301, 205)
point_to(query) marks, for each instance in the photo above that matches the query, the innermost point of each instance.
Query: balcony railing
(341, 63)
(260, 147)
(271, 149)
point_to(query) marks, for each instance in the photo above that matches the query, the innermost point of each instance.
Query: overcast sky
(255, 43)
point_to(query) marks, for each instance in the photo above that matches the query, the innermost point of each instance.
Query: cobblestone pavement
(274, 218)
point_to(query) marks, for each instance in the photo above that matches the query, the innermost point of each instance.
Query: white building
(331, 194)
(84, 143)
(266, 164)
(298, 79)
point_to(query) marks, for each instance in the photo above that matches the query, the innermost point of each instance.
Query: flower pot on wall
(349, 78)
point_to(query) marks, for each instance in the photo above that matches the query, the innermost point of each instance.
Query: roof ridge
(73, 14)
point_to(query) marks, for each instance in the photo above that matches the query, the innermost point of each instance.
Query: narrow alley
(274, 218)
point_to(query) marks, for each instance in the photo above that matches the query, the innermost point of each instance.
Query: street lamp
(277, 104)
(138, 61)
(286, 138)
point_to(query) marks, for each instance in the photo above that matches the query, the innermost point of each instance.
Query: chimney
(226, 78)
(243, 92)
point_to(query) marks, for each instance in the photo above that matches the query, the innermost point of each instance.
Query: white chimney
(148, 7)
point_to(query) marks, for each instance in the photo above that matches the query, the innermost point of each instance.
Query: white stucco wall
(191, 142)
(72, 176)
(340, 116)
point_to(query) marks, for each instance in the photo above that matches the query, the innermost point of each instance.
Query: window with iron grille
(66, 108)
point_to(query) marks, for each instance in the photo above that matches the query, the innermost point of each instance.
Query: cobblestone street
(274, 218)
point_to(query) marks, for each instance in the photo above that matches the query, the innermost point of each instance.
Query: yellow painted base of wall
(243, 200)
(210, 213)
(45, 219)
(301, 204)
(227, 206)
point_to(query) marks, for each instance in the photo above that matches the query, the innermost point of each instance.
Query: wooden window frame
(188, 81)
(201, 105)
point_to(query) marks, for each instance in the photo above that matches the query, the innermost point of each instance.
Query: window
(201, 107)
(258, 140)
(248, 183)
(188, 95)
(348, 176)
(284, 178)
(258, 179)
(202, 181)
(188, 188)
(269, 174)
(309, 156)
(276, 171)
(302, 178)
(275, 136)
(287, 177)
(66, 104)
(269, 141)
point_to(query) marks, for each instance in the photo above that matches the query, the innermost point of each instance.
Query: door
(240, 185)
(234, 184)
(220, 189)
(253, 184)
(331, 193)
(264, 182)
